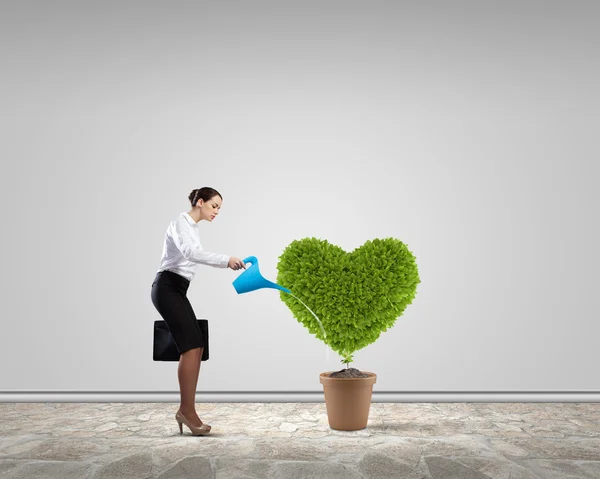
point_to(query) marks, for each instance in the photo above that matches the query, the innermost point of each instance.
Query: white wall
(469, 132)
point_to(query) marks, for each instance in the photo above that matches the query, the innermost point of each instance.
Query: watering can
(251, 279)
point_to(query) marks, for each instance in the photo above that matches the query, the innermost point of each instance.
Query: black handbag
(164, 348)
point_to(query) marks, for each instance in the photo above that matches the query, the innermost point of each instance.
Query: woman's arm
(187, 242)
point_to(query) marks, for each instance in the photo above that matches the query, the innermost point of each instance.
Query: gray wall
(469, 131)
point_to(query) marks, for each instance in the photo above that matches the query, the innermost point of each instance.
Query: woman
(182, 252)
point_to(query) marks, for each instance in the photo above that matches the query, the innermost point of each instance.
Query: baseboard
(298, 396)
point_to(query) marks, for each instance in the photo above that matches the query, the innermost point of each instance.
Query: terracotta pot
(348, 400)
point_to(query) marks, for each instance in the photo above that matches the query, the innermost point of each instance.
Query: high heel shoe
(202, 430)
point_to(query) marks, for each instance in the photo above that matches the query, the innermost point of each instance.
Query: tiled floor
(293, 440)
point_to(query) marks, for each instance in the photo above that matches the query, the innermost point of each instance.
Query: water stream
(318, 321)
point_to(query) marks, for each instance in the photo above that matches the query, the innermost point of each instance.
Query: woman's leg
(176, 310)
(187, 373)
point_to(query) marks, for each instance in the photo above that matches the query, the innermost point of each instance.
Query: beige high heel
(202, 430)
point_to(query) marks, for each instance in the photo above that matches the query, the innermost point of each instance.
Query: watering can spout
(251, 279)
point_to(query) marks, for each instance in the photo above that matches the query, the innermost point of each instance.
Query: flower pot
(348, 400)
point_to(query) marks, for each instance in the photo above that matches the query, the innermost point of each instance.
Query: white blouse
(182, 250)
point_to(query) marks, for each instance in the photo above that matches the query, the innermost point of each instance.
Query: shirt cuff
(225, 261)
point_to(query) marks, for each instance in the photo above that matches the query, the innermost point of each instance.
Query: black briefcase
(164, 348)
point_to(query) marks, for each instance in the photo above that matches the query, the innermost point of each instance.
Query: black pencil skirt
(169, 298)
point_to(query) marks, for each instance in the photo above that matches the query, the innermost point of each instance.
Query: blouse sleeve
(187, 242)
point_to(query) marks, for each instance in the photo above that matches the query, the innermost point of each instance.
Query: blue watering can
(251, 279)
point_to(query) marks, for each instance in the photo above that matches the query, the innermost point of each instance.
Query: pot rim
(327, 375)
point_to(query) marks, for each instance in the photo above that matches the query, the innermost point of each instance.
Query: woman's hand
(236, 263)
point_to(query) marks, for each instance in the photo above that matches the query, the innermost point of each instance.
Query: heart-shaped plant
(356, 295)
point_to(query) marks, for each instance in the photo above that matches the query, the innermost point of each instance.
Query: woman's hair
(205, 194)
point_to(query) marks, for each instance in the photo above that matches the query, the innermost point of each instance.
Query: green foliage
(356, 295)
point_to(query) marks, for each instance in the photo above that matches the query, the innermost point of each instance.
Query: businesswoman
(182, 252)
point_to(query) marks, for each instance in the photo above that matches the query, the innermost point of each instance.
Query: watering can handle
(250, 259)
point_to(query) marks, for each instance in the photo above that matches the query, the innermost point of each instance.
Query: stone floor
(293, 440)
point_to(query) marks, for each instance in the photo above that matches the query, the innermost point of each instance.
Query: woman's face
(210, 209)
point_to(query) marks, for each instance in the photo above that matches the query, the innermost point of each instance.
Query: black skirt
(169, 298)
